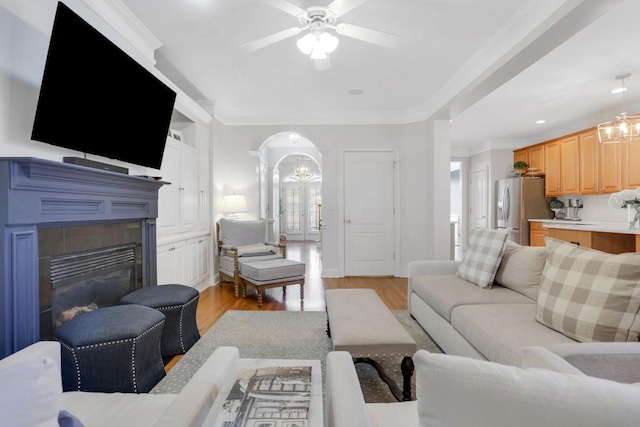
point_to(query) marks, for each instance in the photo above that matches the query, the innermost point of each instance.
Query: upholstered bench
(178, 303)
(271, 274)
(112, 349)
(360, 323)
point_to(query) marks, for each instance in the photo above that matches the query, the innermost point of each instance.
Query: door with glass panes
(302, 203)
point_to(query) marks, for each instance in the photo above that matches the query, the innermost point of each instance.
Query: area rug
(287, 335)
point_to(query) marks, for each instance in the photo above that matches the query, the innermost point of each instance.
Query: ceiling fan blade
(254, 45)
(323, 64)
(340, 7)
(286, 7)
(368, 35)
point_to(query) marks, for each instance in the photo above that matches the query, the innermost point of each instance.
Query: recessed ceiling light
(619, 90)
(355, 91)
(539, 122)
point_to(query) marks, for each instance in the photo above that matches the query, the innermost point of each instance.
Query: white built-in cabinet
(183, 224)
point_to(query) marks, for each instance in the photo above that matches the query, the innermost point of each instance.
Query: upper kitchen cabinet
(630, 169)
(533, 156)
(561, 166)
(600, 165)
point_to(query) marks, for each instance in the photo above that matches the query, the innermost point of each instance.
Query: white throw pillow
(483, 257)
(30, 393)
(457, 391)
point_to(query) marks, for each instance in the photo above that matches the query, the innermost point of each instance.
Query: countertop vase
(633, 216)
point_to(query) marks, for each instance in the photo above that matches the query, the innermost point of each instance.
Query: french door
(302, 210)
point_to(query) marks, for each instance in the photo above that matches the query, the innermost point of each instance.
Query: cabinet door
(169, 195)
(552, 168)
(198, 261)
(569, 169)
(577, 237)
(589, 148)
(520, 156)
(631, 161)
(610, 166)
(188, 188)
(204, 177)
(171, 263)
(536, 159)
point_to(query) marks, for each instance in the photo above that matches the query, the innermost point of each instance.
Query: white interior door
(478, 193)
(368, 213)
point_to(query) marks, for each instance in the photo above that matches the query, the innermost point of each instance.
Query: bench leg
(407, 368)
(407, 372)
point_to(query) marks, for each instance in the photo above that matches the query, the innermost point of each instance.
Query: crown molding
(121, 19)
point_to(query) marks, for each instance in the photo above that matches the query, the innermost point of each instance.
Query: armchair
(460, 391)
(240, 242)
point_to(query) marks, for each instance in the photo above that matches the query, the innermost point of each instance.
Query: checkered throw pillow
(590, 295)
(482, 259)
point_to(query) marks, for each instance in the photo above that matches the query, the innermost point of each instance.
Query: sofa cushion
(501, 331)
(482, 259)
(403, 414)
(458, 391)
(590, 295)
(443, 293)
(30, 392)
(521, 268)
(256, 249)
(226, 262)
(241, 233)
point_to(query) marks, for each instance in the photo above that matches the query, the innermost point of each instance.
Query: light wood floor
(216, 300)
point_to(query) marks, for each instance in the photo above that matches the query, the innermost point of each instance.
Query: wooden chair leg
(259, 297)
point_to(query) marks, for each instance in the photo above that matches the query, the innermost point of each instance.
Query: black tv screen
(97, 99)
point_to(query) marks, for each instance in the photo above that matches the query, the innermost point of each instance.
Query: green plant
(556, 204)
(520, 165)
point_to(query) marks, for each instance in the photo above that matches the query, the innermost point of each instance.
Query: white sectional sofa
(31, 394)
(497, 323)
(455, 391)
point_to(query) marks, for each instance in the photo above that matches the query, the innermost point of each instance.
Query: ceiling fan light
(305, 44)
(318, 51)
(329, 42)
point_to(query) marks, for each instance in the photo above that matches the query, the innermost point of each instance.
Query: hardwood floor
(216, 300)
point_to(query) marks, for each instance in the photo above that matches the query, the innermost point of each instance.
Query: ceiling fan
(318, 43)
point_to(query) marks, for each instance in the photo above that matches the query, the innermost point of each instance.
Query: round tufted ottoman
(112, 349)
(178, 303)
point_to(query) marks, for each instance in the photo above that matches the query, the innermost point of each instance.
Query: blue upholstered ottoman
(178, 303)
(112, 349)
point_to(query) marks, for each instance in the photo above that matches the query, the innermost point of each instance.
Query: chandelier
(302, 170)
(624, 127)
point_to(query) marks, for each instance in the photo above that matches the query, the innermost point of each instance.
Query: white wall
(415, 162)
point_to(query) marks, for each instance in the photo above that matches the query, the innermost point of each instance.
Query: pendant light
(625, 127)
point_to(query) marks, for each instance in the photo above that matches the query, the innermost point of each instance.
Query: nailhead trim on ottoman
(112, 349)
(178, 303)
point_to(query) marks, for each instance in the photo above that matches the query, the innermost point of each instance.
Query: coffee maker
(573, 210)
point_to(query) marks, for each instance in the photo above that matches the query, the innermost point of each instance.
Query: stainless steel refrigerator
(518, 200)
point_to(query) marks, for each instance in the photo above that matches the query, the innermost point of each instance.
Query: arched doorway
(293, 186)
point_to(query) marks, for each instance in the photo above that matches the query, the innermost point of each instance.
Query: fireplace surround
(42, 200)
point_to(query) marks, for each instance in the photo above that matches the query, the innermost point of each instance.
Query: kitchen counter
(605, 227)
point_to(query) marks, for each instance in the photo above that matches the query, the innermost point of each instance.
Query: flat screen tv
(96, 99)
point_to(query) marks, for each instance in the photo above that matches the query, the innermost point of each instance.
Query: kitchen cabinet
(537, 233)
(533, 156)
(569, 165)
(578, 237)
(589, 163)
(610, 167)
(630, 169)
(552, 169)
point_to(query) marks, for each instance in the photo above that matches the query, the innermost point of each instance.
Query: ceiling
(493, 67)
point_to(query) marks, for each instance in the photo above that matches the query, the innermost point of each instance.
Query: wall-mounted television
(96, 99)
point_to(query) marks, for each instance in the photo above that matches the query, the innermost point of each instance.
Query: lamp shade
(232, 203)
